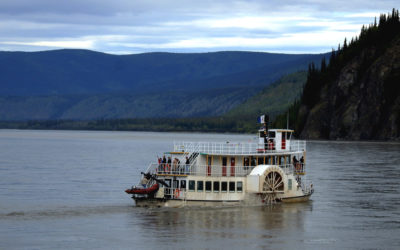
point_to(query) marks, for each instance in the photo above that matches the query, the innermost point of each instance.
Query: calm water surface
(64, 189)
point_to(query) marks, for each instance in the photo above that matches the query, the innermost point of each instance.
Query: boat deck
(238, 148)
(216, 170)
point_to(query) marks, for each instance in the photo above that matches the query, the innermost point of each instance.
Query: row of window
(216, 186)
(256, 160)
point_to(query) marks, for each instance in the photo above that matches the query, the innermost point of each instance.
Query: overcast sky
(136, 26)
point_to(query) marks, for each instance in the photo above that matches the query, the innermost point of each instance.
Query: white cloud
(295, 39)
(78, 44)
(364, 14)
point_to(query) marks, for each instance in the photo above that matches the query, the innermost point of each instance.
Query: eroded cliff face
(359, 106)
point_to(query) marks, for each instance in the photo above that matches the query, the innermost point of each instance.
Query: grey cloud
(145, 21)
(182, 7)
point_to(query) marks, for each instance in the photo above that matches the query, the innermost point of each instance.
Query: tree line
(198, 124)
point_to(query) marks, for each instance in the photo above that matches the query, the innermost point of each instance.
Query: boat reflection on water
(189, 227)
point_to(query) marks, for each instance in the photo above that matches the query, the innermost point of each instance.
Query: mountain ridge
(76, 84)
(84, 71)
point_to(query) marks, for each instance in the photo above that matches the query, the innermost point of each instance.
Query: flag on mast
(261, 119)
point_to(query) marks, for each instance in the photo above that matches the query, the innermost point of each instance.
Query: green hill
(274, 99)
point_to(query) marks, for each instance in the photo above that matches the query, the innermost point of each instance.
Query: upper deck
(240, 148)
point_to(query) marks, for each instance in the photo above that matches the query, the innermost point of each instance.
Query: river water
(65, 190)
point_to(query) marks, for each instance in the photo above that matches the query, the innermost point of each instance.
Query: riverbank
(209, 124)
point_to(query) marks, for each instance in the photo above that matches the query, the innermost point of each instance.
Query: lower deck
(265, 182)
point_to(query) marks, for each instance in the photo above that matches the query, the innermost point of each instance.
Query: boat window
(224, 186)
(200, 186)
(246, 161)
(287, 159)
(290, 184)
(176, 184)
(191, 185)
(168, 181)
(282, 160)
(216, 186)
(271, 134)
(224, 160)
(208, 186)
(260, 160)
(231, 186)
(253, 161)
(183, 184)
(239, 186)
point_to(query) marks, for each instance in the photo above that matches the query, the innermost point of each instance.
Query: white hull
(252, 200)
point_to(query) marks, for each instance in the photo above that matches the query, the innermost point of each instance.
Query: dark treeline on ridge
(200, 124)
(354, 69)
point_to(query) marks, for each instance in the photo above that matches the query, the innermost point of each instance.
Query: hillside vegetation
(242, 119)
(87, 85)
(357, 94)
(274, 99)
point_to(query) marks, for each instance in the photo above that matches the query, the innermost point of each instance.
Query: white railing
(298, 168)
(236, 148)
(215, 170)
(188, 147)
(298, 145)
(200, 170)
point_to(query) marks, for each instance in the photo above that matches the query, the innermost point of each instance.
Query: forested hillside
(242, 119)
(87, 85)
(272, 100)
(357, 94)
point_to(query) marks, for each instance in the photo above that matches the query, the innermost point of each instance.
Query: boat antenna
(287, 120)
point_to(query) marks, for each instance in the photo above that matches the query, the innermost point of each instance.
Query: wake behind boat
(223, 173)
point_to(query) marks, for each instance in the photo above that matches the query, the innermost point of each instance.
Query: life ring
(177, 192)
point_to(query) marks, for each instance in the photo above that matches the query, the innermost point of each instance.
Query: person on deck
(175, 165)
(169, 164)
(302, 163)
(296, 163)
(271, 144)
(159, 164)
(164, 163)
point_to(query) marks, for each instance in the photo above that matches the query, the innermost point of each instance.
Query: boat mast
(287, 120)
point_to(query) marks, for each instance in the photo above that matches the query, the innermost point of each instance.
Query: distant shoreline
(143, 125)
(202, 125)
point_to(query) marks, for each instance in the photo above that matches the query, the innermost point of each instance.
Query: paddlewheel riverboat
(267, 171)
